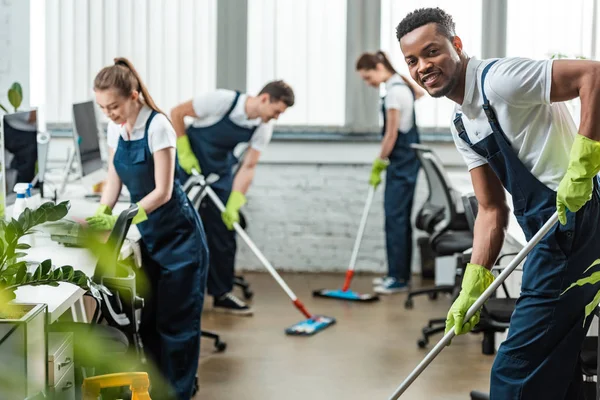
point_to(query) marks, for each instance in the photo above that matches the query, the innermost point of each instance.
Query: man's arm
(245, 175)
(177, 116)
(492, 216)
(579, 78)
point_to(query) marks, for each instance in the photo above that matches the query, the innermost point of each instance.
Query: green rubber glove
(379, 165)
(187, 158)
(232, 209)
(141, 215)
(102, 222)
(575, 189)
(475, 281)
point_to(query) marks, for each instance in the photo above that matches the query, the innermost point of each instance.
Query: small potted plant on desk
(23, 333)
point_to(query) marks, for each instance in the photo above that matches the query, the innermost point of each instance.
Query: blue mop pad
(310, 326)
(347, 295)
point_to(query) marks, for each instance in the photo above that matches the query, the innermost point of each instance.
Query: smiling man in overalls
(514, 134)
(224, 119)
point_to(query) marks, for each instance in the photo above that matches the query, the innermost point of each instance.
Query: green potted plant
(23, 333)
(15, 97)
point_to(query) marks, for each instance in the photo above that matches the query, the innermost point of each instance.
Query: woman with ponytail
(399, 132)
(175, 257)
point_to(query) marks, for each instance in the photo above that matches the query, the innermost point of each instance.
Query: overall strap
(150, 118)
(233, 104)
(489, 112)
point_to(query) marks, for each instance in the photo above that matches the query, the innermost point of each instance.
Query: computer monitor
(25, 151)
(86, 134)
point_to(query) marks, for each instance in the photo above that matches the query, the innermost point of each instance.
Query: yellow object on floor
(138, 383)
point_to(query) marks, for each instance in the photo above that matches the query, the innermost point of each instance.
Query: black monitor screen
(86, 135)
(20, 143)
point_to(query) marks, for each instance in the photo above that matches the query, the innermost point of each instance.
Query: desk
(65, 296)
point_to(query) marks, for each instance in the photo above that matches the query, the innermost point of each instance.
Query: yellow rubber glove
(379, 165)
(103, 220)
(232, 209)
(575, 189)
(187, 158)
(475, 281)
(141, 215)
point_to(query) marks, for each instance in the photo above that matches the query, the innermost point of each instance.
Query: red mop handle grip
(349, 275)
(302, 309)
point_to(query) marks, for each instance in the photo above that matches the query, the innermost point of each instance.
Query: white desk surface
(60, 298)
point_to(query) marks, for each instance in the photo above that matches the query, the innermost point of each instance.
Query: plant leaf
(21, 274)
(46, 266)
(19, 255)
(67, 273)
(22, 246)
(57, 275)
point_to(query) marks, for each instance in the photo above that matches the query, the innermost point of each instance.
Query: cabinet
(61, 369)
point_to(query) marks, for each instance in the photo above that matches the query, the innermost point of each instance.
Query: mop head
(310, 326)
(347, 295)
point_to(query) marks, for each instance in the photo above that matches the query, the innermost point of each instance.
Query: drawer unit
(60, 357)
(65, 388)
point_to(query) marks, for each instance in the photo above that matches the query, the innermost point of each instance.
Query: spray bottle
(23, 201)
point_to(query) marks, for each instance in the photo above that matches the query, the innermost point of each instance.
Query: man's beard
(446, 89)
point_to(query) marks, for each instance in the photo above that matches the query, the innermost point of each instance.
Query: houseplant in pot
(23, 344)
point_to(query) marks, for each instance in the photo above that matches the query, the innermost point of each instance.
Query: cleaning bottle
(21, 203)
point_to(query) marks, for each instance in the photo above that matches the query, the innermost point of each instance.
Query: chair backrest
(107, 260)
(471, 207)
(441, 195)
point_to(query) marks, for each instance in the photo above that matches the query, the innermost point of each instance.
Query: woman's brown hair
(124, 77)
(369, 61)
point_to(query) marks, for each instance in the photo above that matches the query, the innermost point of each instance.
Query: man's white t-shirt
(518, 89)
(211, 107)
(161, 134)
(399, 97)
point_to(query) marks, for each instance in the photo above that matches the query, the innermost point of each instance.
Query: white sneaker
(391, 286)
(379, 280)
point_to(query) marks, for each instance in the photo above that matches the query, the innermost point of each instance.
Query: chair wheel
(408, 304)
(433, 296)
(221, 346)
(248, 294)
(422, 343)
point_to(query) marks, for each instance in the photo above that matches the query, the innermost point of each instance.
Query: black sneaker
(229, 303)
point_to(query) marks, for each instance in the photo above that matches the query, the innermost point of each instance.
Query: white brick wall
(305, 218)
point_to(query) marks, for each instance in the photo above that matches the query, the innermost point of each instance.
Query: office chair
(119, 310)
(448, 230)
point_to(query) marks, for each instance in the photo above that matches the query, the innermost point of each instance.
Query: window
(171, 43)
(303, 43)
(556, 28)
(431, 113)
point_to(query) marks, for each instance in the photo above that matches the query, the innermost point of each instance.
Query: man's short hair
(424, 16)
(279, 91)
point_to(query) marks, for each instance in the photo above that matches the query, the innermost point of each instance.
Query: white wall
(14, 49)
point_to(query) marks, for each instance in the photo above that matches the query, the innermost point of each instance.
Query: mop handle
(240, 231)
(358, 240)
(477, 305)
(361, 228)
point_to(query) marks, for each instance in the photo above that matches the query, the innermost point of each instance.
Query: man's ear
(264, 98)
(457, 44)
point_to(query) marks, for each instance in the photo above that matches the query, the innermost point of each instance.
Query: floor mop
(477, 305)
(314, 323)
(344, 293)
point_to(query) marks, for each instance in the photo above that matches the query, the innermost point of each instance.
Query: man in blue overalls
(515, 134)
(224, 119)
